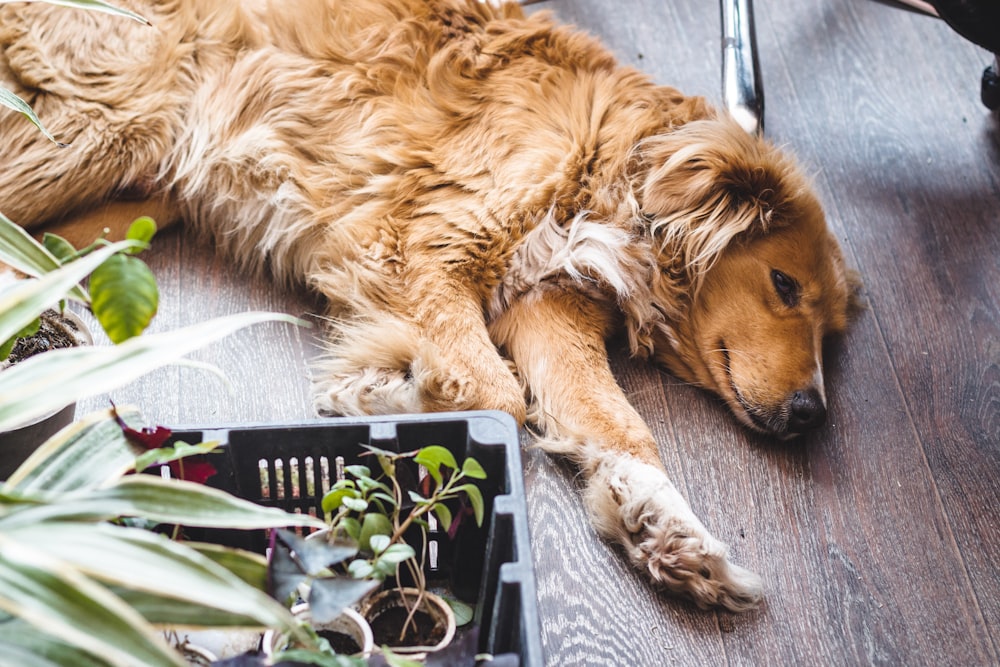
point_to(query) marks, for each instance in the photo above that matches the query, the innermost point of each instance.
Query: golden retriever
(484, 199)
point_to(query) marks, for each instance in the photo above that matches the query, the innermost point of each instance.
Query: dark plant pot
(19, 443)
(385, 609)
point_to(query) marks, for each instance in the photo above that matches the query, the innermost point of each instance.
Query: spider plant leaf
(96, 5)
(55, 379)
(161, 500)
(21, 251)
(88, 453)
(21, 644)
(12, 101)
(158, 571)
(57, 599)
(27, 299)
(59, 247)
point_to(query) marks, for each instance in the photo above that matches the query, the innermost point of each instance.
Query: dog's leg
(556, 339)
(471, 374)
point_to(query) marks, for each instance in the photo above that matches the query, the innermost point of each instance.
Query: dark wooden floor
(878, 538)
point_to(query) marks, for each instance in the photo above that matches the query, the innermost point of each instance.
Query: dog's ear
(708, 182)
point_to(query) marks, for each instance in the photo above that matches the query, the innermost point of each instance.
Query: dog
(483, 198)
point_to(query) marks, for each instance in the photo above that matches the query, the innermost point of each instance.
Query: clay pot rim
(437, 603)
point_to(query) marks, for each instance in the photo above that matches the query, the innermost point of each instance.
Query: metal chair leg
(742, 90)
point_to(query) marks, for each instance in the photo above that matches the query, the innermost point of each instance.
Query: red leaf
(147, 438)
(193, 469)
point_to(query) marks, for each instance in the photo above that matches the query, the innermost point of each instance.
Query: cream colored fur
(482, 198)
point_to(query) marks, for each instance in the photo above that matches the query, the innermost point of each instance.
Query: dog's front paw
(636, 505)
(367, 391)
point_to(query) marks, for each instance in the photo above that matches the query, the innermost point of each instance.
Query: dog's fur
(484, 199)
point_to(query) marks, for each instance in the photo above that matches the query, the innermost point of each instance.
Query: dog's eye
(786, 288)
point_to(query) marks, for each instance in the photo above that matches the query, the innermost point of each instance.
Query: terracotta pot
(349, 623)
(18, 444)
(391, 601)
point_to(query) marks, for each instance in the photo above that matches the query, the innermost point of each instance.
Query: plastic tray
(290, 465)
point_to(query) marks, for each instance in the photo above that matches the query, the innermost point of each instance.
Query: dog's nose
(807, 411)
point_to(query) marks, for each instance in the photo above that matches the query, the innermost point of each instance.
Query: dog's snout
(807, 410)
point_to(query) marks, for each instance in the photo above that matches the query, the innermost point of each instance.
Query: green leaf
(334, 498)
(27, 299)
(384, 568)
(59, 247)
(443, 514)
(373, 525)
(96, 5)
(349, 526)
(433, 457)
(355, 504)
(56, 598)
(471, 468)
(358, 471)
(360, 569)
(386, 460)
(378, 543)
(476, 498)
(368, 485)
(164, 455)
(397, 553)
(29, 330)
(12, 101)
(55, 379)
(124, 296)
(417, 498)
(463, 612)
(389, 501)
(142, 229)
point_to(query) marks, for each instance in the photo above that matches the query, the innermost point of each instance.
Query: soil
(55, 332)
(386, 627)
(341, 643)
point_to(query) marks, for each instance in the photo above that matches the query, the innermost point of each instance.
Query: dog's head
(760, 280)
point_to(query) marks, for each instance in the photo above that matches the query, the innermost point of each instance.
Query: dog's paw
(366, 392)
(489, 389)
(636, 505)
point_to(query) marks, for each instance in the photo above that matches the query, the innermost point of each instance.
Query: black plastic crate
(291, 465)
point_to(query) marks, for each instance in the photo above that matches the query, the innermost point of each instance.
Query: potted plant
(365, 545)
(122, 295)
(371, 518)
(379, 513)
(81, 586)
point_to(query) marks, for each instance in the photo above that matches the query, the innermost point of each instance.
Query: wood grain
(877, 538)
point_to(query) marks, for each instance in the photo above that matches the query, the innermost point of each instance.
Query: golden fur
(484, 199)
